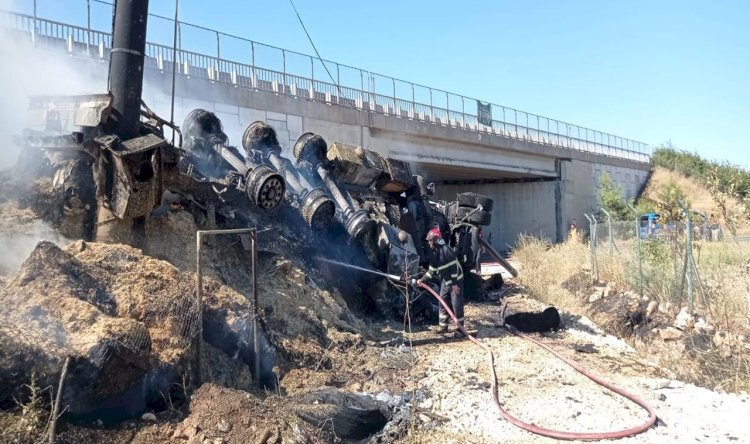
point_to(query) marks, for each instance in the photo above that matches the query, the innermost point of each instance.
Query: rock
(185, 431)
(684, 320)
(424, 418)
(585, 348)
(651, 309)
(670, 334)
(224, 426)
(595, 296)
(701, 326)
(148, 417)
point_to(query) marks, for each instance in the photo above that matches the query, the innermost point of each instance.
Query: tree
(722, 187)
(669, 202)
(612, 198)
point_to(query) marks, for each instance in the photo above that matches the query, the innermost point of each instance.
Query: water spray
(355, 267)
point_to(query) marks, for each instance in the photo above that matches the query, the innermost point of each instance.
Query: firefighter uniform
(445, 269)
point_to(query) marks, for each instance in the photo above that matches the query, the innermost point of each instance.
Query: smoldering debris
(124, 319)
(20, 232)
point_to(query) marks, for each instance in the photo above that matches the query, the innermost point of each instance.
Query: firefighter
(445, 269)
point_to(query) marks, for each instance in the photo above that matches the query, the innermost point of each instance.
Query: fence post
(447, 107)
(33, 27)
(463, 113)
(592, 241)
(253, 80)
(362, 87)
(638, 248)
(283, 61)
(609, 231)
(595, 240)
(688, 256)
(394, 97)
(432, 112)
(88, 28)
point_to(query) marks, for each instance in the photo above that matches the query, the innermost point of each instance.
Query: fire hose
(541, 430)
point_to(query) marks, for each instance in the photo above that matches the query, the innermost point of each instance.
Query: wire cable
(304, 28)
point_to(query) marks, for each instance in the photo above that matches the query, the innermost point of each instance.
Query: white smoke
(27, 71)
(21, 240)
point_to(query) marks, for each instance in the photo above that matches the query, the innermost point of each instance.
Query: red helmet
(434, 234)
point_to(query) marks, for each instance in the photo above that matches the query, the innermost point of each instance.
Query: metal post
(638, 249)
(218, 57)
(33, 28)
(689, 257)
(413, 103)
(538, 138)
(432, 113)
(362, 87)
(448, 106)
(592, 236)
(527, 124)
(175, 66)
(609, 231)
(594, 240)
(253, 80)
(394, 95)
(283, 61)
(88, 27)
(463, 113)
(198, 305)
(256, 312)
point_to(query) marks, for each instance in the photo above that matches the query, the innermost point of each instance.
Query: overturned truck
(112, 161)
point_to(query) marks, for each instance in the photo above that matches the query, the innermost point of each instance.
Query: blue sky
(646, 70)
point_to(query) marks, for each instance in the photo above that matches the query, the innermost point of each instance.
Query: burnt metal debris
(110, 156)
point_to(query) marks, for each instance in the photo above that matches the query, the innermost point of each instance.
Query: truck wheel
(473, 200)
(480, 217)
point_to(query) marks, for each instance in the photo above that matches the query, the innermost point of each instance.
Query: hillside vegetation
(723, 180)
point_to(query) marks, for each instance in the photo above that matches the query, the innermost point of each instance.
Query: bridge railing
(372, 92)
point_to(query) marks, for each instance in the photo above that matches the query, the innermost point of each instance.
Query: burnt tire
(474, 216)
(473, 290)
(347, 415)
(473, 200)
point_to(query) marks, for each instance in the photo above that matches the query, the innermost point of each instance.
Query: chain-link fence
(658, 258)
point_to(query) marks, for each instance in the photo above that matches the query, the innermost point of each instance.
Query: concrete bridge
(542, 173)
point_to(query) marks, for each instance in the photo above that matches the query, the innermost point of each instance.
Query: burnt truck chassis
(384, 209)
(111, 161)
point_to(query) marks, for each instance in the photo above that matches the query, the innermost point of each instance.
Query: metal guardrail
(369, 94)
